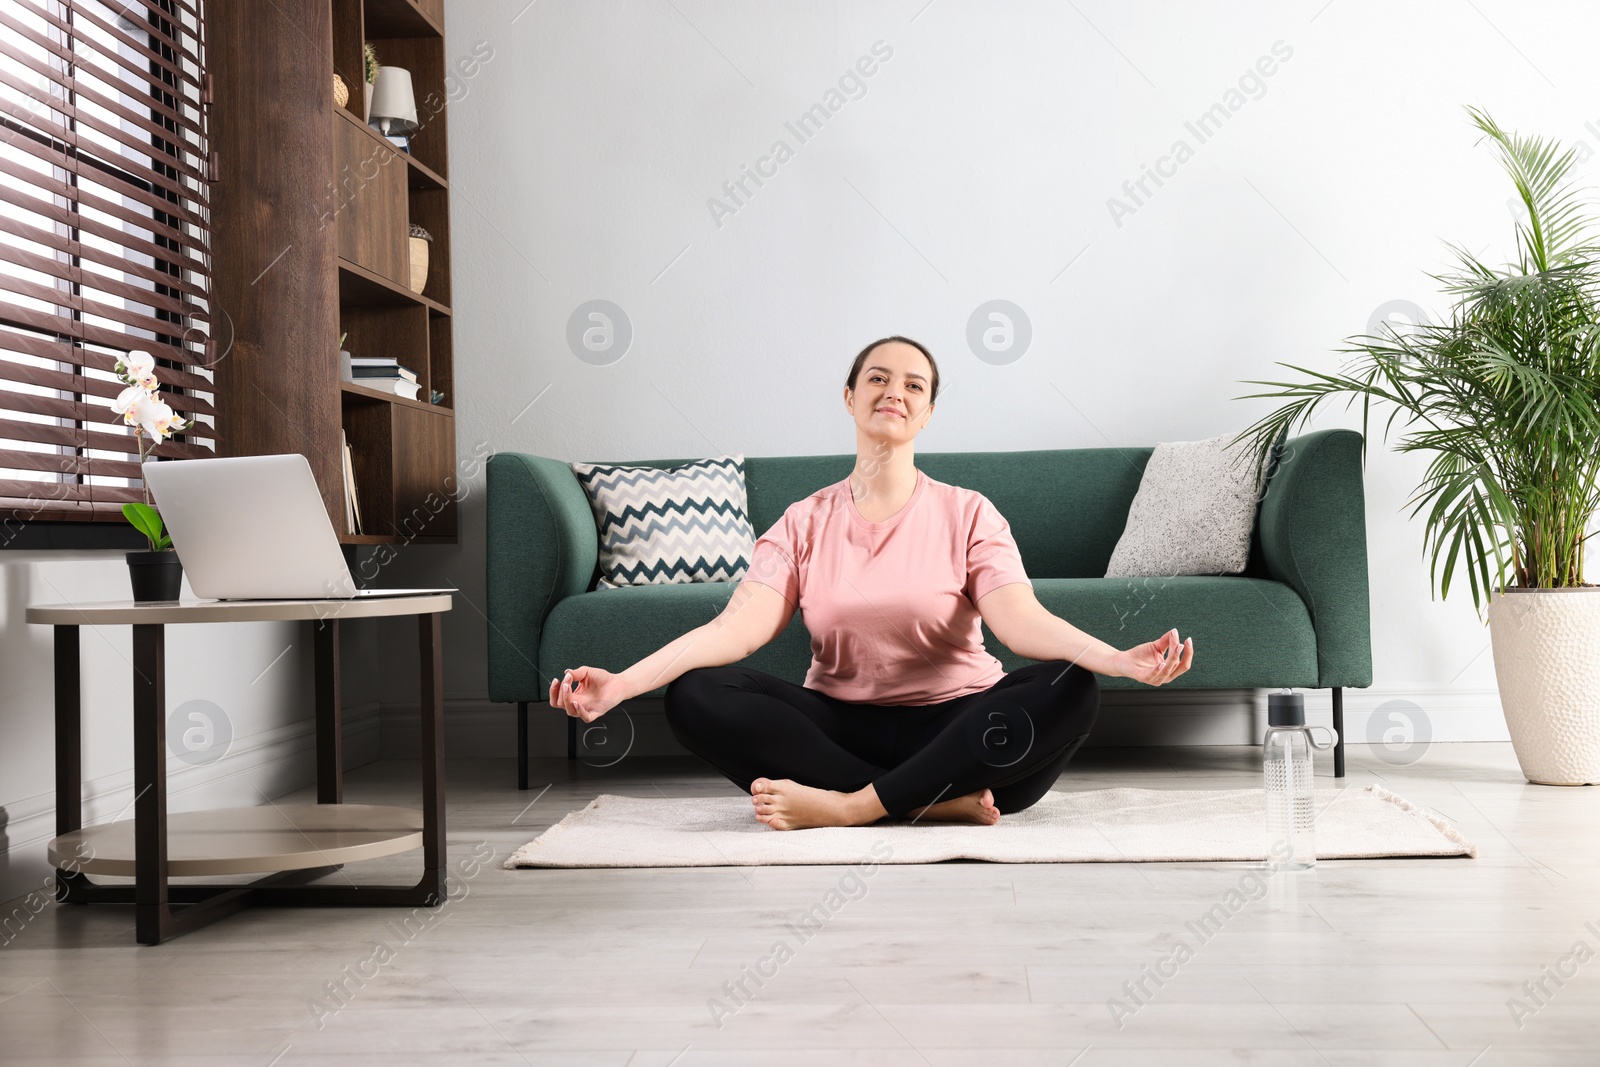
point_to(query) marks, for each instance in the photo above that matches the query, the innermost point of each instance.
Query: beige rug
(1103, 825)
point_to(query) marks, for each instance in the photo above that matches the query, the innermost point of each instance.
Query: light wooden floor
(1356, 962)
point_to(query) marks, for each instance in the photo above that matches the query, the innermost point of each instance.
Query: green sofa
(1296, 617)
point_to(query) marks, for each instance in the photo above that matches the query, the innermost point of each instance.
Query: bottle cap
(1286, 709)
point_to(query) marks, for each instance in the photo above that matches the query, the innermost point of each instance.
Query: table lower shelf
(268, 838)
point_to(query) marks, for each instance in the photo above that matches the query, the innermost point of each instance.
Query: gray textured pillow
(1193, 512)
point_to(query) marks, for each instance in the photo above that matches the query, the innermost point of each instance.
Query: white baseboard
(475, 727)
(1407, 713)
(1393, 715)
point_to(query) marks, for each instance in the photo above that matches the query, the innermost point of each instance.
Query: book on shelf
(359, 367)
(404, 387)
(355, 497)
(352, 509)
(393, 370)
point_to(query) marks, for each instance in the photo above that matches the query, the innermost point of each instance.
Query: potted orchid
(156, 574)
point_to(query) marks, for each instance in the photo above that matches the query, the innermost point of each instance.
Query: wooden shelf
(355, 120)
(360, 287)
(385, 539)
(279, 837)
(422, 175)
(400, 18)
(350, 260)
(419, 176)
(366, 391)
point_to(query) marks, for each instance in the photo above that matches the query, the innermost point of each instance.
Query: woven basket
(341, 92)
(419, 264)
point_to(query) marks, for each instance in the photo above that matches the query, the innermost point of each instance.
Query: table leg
(152, 914)
(69, 733)
(69, 748)
(330, 731)
(430, 646)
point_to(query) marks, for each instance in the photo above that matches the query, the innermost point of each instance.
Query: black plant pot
(156, 576)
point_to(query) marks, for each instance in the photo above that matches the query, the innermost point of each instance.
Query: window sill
(62, 540)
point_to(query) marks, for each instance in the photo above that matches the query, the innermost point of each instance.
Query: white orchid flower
(154, 417)
(140, 404)
(125, 400)
(143, 414)
(138, 368)
(136, 364)
(149, 415)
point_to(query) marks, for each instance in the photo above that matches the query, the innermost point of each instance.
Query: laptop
(254, 528)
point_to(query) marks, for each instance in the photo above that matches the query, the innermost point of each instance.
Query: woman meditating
(903, 712)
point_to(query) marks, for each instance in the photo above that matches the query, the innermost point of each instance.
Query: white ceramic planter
(1547, 663)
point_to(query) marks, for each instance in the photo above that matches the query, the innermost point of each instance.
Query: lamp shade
(394, 107)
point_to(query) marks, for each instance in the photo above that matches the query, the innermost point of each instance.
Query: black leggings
(1014, 737)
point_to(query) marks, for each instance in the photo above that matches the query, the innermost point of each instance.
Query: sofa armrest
(1314, 539)
(541, 547)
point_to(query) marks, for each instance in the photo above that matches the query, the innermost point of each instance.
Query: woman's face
(891, 397)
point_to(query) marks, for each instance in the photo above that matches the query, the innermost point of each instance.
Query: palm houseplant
(1505, 395)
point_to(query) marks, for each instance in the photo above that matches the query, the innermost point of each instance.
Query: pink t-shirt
(892, 605)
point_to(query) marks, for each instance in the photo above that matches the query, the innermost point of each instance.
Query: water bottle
(1290, 788)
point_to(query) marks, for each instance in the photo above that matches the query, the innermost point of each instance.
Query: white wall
(978, 165)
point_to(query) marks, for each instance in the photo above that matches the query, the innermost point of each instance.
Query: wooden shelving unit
(298, 172)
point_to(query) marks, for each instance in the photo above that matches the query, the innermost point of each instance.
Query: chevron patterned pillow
(670, 527)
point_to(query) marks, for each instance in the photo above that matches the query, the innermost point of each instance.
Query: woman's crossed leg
(809, 759)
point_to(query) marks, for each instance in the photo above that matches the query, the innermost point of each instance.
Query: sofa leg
(522, 744)
(572, 738)
(1338, 728)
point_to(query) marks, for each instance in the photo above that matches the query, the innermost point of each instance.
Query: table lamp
(394, 107)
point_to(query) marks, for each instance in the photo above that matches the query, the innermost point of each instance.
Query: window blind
(104, 244)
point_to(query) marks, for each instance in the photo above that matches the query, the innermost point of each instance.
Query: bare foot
(787, 805)
(974, 807)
